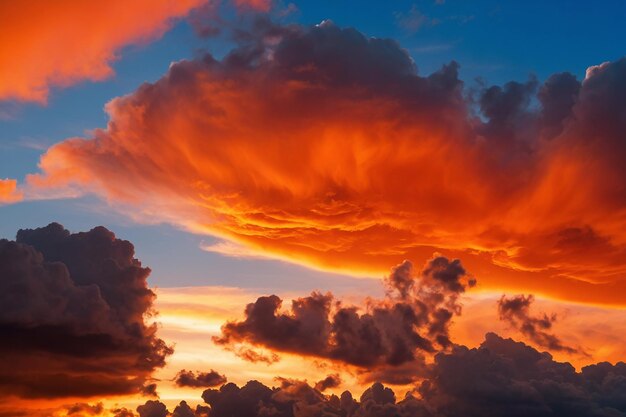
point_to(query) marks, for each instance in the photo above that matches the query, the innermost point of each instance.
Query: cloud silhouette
(73, 313)
(412, 320)
(516, 311)
(186, 378)
(500, 378)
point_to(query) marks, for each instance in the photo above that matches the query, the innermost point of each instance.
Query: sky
(343, 208)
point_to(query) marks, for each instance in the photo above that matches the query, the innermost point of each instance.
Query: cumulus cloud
(152, 408)
(186, 378)
(507, 378)
(516, 312)
(73, 313)
(524, 182)
(412, 320)
(331, 381)
(500, 378)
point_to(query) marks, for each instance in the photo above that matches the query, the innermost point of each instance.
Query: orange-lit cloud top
(60, 43)
(326, 147)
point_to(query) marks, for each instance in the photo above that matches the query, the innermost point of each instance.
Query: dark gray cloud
(331, 381)
(500, 378)
(72, 310)
(186, 378)
(414, 317)
(507, 378)
(516, 312)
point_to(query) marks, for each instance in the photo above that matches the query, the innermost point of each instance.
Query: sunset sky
(219, 208)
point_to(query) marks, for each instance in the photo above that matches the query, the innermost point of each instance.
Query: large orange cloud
(324, 147)
(59, 43)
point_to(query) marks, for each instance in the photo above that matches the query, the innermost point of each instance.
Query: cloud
(122, 412)
(152, 408)
(186, 378)
(73, 311)
(412, 320)
(516, 312)
(83, 409)
(258, 5)
(8, 191)
(331, 381)
(73, 41)
(523, 182)
(507, 378)
(500, 378)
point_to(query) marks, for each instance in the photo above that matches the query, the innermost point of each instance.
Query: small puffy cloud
(186, 378)
(331, 381)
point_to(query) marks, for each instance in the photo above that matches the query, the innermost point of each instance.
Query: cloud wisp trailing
(516, 312)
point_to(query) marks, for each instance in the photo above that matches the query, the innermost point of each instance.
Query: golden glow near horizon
(191, 316)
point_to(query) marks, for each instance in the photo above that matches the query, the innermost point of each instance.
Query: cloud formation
(516, 312)
(73, 313)
(523, 182)
(331, 381)
(72, 41)
(411, 321)
(212, 378)
(8, 191)
(500, 378)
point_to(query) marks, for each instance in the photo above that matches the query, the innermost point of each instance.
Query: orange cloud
(61, 43)
(8, 191)
(324, 147)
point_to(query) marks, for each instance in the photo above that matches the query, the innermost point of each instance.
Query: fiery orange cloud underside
(295, 160)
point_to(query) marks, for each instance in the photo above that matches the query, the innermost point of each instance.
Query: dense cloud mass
(516, 311)
(72, 315)
(525, 182)
(500, 378)
(507, 378)
(412, 320)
